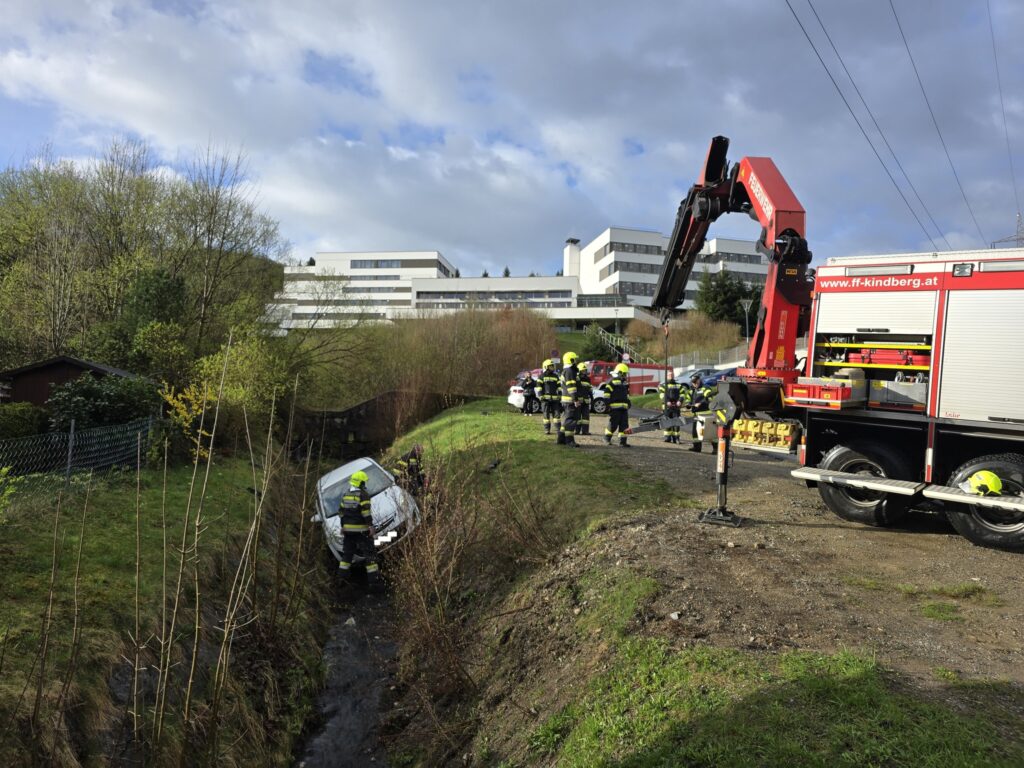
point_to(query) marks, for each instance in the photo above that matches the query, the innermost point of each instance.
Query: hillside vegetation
(528, 639)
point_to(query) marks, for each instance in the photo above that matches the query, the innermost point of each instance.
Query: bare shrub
(691, 332)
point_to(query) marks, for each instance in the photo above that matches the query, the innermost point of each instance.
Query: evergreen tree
(506, 272)
(485, 274)
(719, 297)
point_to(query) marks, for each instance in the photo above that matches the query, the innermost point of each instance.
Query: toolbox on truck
(898, 394)
(827, 392)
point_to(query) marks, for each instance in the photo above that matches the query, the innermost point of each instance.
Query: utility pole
(1017, 239)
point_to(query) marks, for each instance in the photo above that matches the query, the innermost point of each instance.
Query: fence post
(71, 450)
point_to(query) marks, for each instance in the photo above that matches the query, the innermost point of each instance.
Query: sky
(494, 131)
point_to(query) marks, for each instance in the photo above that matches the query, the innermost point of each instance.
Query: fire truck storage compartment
(982, 376)
(886, 312)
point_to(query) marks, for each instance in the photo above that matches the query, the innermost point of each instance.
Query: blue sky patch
(410, 135)
(476, 87)
(632, 147)
(338, 73)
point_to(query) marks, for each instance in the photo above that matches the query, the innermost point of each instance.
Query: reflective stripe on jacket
(549, 385)
(355, 510)
(670, 391)
(569, 384)
(617, 391)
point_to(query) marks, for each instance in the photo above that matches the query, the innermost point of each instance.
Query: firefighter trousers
(569, 421)
(618, 421)
(672, 412)
(552, 410)
(359, 543)
(583, 422)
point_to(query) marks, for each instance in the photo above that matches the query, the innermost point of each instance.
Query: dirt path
(924, 600)
(358, 656)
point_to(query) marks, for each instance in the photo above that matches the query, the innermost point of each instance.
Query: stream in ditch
(358, 656)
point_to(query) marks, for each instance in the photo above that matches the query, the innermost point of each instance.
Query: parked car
(685, 376)
(516, 397)
(713, 379)
(394, 510)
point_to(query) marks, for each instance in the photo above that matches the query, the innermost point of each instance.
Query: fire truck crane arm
(753, 186)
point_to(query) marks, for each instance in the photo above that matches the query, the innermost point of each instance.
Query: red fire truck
(914, 377)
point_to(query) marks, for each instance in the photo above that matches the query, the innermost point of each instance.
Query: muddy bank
(359, 657)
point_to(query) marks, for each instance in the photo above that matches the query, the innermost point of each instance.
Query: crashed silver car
(394, 510)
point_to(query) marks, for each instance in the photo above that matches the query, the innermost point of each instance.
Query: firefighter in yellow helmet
(570, 400)
(584, 390)
(547, 391)
(616, 390)
(357, 528)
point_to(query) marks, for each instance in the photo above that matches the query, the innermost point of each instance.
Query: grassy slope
(634, 699)
(107, 583)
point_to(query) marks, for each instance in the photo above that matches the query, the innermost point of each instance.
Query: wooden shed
(34, 383)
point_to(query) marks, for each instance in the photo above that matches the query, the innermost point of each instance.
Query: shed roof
(86, 365)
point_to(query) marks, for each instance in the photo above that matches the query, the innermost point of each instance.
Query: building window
(376, 264)
(360, 278)
(635, 289)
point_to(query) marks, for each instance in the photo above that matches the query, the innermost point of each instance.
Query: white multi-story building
(627, 262)
(341, 287)
(610, 281)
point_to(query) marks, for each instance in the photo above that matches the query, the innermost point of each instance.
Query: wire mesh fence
(40, 464)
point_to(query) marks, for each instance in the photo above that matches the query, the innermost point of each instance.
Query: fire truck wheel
(858, 505)
(600, 405)
(988, 527)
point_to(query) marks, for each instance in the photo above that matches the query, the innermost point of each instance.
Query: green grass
(614, 598)
(107, 581)
(578, 488)
(941, 611)
(711, 706)
(967, 591)
(571, 341)
(647, 401)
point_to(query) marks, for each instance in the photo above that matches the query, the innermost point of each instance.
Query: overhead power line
(877, 126)
(1002, 106)
(936, 122)
(859, 125)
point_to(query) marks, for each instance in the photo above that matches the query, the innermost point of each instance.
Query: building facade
(627, 262)
(610, 280)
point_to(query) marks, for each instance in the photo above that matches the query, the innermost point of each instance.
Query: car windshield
(377, 481)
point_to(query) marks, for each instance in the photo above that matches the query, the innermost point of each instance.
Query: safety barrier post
(71, 450)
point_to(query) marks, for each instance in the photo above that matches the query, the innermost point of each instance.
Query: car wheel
(534, 406)
(985, 526)
(859, 505)
(600, 405)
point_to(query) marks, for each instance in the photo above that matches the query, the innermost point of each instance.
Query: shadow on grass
(723, 708)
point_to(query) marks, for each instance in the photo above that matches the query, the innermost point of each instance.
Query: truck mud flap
(854, 480)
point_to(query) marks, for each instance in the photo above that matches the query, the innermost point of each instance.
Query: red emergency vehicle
(644, 378)
(913, 386)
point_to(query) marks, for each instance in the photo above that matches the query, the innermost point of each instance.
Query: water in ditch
(358, 657)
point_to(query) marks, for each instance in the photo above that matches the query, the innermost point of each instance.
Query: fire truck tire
(991, 527)
(859, 506)
(599, 405)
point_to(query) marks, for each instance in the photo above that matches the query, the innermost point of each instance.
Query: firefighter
(584, 389)
(670, 394)
(528, 383)
(549, 392)
(410, 470)
(700, 403)
(570, 400)
(357, 528)
(616, 389)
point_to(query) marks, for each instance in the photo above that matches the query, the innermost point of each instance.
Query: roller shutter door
(908, 312)
(982, 356)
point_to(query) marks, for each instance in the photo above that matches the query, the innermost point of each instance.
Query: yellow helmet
(570, 358)
(359, 478)
(547, 363)
(622, 368)
(982, 483)
(581, 367)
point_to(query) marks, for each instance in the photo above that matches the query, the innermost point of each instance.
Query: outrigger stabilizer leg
(725, 411)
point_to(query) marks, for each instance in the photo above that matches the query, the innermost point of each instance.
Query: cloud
(494, 131)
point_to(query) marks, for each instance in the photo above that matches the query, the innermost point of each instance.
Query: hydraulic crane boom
(753, 186)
